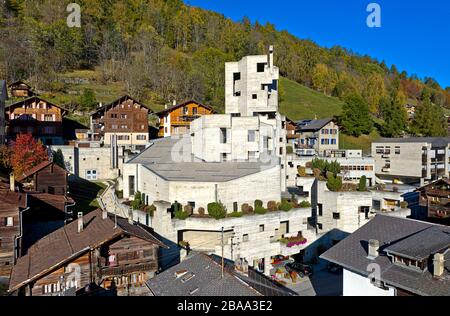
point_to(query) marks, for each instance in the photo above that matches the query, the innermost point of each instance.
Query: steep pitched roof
(12, 198)
(172, 108)
(400, 235)
(200, 276)
(66, 244)
(312, 125)
(36, 169)
(120, 100)
(34, 98)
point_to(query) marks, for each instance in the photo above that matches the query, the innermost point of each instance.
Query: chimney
(80, 222)
(130, 217)
(438, 265)
(12, 182)
(374, 246)
(104, 214)
(270, 56)
(174, 102)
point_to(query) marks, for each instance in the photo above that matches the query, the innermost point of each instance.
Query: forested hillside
(160, 50)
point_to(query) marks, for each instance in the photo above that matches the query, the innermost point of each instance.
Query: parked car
(277, 260)
(334, 268)
(302, 269)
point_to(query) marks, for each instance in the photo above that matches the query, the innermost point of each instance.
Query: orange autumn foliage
(26, 153)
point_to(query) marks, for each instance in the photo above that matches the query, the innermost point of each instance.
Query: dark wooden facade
(177, 119)
(48, 177)
(435, 197)
(20, 89)
(42, 119)
(125, 117)
(109, 255)
(10, 205)
(136, 262)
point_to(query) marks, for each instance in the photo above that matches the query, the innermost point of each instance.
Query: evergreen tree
(429, 118)
(356, 119)
(394, 114)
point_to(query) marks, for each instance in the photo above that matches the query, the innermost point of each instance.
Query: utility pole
(223, 260)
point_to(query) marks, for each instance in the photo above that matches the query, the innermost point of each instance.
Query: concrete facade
(254, 238)
(251, 85)
(130, 140)
(412, 160)
(93, 163)
(264, 185)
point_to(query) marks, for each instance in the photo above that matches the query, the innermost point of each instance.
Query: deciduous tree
(26, 153)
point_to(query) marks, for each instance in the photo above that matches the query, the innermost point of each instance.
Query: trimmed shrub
(235, 214)
(260, 210)
(395, 189)
(302, 172)
(404, 204)
(272, 206)
(181, 215)
(289, 150)
(304, 204)
(258, 204)
(119, 194)
(247, 209)
(201, 211)
(362, 186)
(334, 184)
(285, 206)
(189, 210)
(317, 173)
(217, 210)
(150, 210)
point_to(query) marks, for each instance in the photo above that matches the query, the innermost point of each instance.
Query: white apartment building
(415, 160)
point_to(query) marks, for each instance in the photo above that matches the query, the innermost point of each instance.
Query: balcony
(124, 270)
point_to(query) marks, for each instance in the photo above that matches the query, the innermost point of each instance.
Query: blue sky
(415, 34)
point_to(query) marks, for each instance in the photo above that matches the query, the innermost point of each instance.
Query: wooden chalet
(176, 120)
(11, 204)
(20, 89)
(435, 198)
(47, 177)
(98, 254)
(36, 116)
(126, 119)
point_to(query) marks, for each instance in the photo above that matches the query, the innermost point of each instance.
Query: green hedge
(217, 210)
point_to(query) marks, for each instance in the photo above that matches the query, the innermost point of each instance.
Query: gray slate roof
(393, 233)
(419, 246)
(312, 125)
(171, 159)
(207, 280)
(435, 141)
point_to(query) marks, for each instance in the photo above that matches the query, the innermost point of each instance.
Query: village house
(176, 120)
(46, 177)
(435, 199)
(391, 256)
(126, 119)
(96, 254)
(20, 89)
(317, 135)
(36, 116)
(11, 205)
